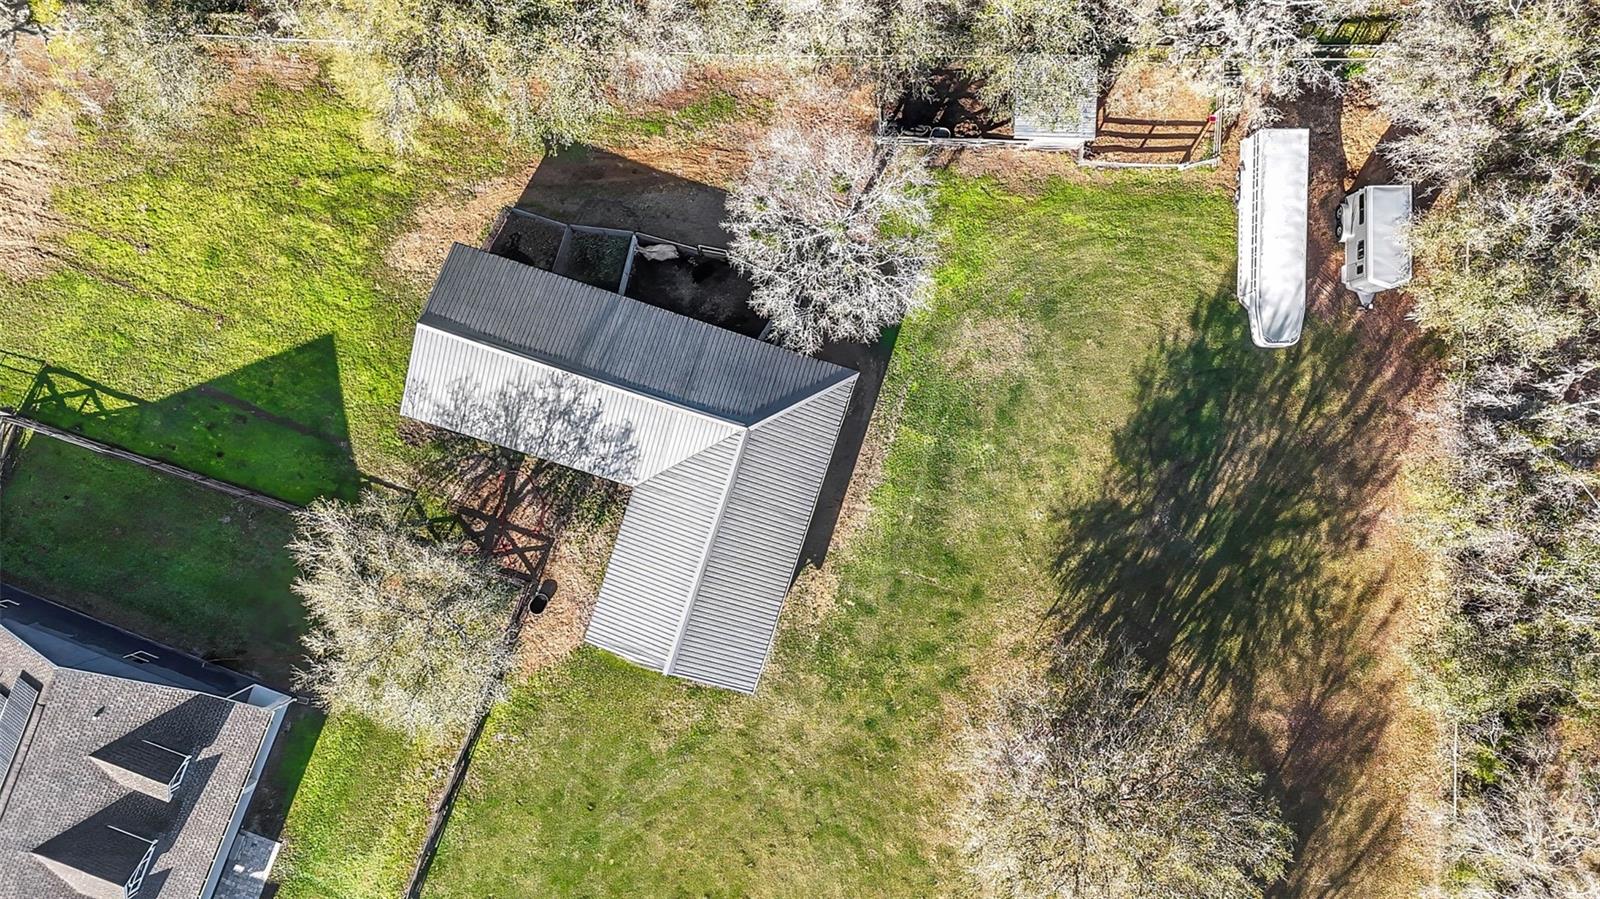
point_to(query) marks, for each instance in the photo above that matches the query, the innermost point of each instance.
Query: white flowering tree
(1096, 783)
(1249, 54)
(409, 633)
(835, 234)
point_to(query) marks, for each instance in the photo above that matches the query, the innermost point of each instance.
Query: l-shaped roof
(725, 440)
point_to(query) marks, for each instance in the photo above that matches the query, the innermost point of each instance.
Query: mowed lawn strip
(604, 779)
(173, 561)
(360, 813)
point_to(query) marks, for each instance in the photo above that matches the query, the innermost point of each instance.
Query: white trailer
(1372, 225)
(1274, 187)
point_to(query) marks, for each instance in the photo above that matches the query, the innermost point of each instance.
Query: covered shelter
(724, 440)
(1274, 196)
(1041, 129)
(947, 110)
(1372, 226)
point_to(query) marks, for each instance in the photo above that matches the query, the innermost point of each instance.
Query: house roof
(725, 440)
(83, 799)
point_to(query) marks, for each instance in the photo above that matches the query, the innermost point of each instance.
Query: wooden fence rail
(9, 421)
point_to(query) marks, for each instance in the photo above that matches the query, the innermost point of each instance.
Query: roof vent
(99, 861)
(143, 765)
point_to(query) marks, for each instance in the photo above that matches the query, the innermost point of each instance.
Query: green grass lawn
(223, 303)
(170, 560)
(360, 812)
(1085, 441)
(606, 780)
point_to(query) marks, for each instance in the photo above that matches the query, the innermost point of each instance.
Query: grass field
(603, 779)
(223, 304)
(1085, 441)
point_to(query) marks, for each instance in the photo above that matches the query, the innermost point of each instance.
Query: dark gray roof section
(610, 338)
(100, 852)
(73, 640)
(143, 764)
(14, 718)
(89, 790)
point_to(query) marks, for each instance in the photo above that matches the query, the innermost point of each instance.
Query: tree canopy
(409, 633)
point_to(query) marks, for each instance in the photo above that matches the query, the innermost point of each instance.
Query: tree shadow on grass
(1219, 542)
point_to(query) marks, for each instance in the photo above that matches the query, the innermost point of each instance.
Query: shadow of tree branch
(1219, 541)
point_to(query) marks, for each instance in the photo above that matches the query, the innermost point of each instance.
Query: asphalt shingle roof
(58, 804)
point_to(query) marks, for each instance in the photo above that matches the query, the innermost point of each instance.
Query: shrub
(1097, 783)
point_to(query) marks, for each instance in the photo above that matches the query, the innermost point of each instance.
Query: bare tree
(1096, 783)
(835, 233)
(1249, 54)
(409, 633)
(1041, 56)
(1533, 832)
(550, 71)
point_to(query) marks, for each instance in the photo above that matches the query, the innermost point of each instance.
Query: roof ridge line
(808, 399)
(711, 539)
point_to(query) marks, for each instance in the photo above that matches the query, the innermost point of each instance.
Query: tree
(549, 68)
(1487, 86)
(835, 233)
(409, 633)
(1097, 783)
(1532, 832)
(1037, 55)
(1500, 101)
(148, 53)
(1249, 54)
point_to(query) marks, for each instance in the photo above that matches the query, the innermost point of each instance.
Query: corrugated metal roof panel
(514, 401)
(659, 553)
(14, 717)
(618, 341)
(757, 544)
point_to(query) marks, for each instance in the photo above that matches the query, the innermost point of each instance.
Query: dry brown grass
(456, 212)
(577, 564)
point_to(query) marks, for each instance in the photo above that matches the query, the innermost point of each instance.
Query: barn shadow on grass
(276, 425)
(1219, 544)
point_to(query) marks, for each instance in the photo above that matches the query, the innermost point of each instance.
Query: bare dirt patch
(1021, 171)
(461, 212)
(1153, 113)
(577, 564)
(26, 182)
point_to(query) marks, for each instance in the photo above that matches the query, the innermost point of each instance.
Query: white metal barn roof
(724, 439)
(1274, 185)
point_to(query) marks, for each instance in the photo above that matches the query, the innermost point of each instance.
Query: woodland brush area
(1116, 604)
